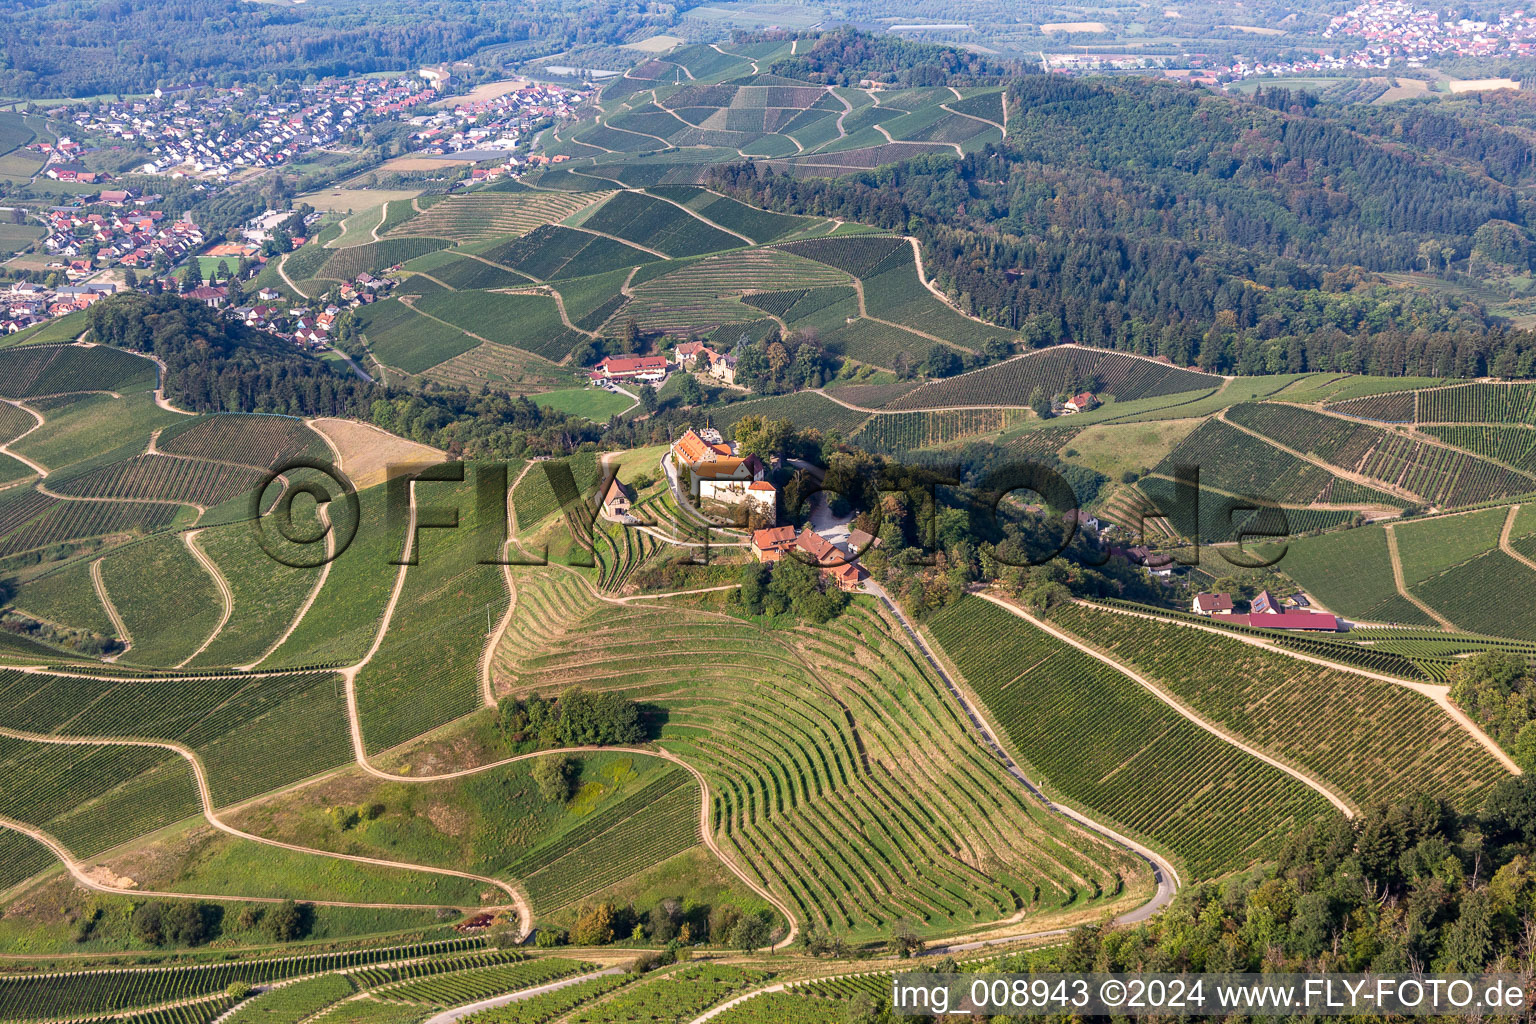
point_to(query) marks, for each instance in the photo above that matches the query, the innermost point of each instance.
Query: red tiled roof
(774, 537)
(817, 546)
(1214, 602)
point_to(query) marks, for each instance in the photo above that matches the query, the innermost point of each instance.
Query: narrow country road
(1163, 872)
(460, 1012)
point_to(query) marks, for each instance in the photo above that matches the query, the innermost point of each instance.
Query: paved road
(460, 1012)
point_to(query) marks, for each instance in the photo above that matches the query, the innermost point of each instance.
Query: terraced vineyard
(648, 827)
(704, 295)
(1237, 463)
(36, 370)
(852, 838)
(262, 732)
(266, 441)
(1054, 369)
(1351, 574)
(1478, 402)
(551, 1006)
(477, 215)
(1346, 729)
(906, 431)
(656, 224)
(673, 998)
(1081, 724)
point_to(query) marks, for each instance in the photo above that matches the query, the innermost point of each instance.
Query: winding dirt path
(226, 595)
(1505, 546)
(36, 467)
(116, 619)
(1402, 584)
(1317, 785)
(205, 795)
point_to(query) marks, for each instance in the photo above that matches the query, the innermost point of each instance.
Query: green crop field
(1351, 574)
(1077, 721)
(1057, 369)
(401, 337)
(167, 631)
(1432, 546)
(530, 321)
(425, 672)
(805, 410)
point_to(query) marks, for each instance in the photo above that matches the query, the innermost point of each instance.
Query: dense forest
(1240, 235)
(89, 47)
(1407, 886)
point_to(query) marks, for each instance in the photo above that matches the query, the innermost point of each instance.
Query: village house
(1210, 604)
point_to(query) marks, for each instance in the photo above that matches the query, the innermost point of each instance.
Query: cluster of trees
(670, 923)
(576, 718)
(846, 56)
(1410, 885)
(194, 923)
(1212, 230)
(1496, 688)
(782, 363)
(790, 587)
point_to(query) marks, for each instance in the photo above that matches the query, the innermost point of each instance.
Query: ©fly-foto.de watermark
(1209, 995)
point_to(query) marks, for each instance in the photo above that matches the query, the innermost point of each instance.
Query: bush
(549, 938)
(238, 990)
(594, 925)
(555, 778)
(288, 921)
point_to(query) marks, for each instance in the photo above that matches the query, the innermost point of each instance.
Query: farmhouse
(1210, 604)
(688, 354)
(772, 544)
(629, 368)
(1079, 403)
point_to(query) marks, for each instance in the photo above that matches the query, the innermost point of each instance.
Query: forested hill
(86, 47)
(215, 365)
(1212, 229)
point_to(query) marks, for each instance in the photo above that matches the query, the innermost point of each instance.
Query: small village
(221, 134)
(495, 126)
(1402, 35)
